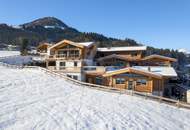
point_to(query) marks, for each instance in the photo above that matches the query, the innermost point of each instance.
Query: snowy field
(9, 53)
(14, 58)
(32, 100)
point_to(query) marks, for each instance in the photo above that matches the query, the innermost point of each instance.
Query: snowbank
(32, 100)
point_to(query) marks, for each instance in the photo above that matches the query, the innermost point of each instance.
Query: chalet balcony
(70, 69)
(52, 68)
(64, 57)
(65, 69)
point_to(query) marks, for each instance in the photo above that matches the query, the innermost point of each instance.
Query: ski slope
(32, 100)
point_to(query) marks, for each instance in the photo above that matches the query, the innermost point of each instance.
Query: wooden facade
(127, 61)
(130, 79)
(129, 54)
(69, 57)
(42, 48)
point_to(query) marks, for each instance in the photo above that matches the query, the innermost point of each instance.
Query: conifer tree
(24, 46)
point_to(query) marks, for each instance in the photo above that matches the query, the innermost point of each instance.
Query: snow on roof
(131, 48)
(134, 70)
(87, 44)
(164, 71)
(154, 70)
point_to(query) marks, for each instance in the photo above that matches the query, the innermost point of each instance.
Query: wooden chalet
(133, 56)
(132, 69)
(42, 48)
(139, 78)
(69, 57)
(117, 67)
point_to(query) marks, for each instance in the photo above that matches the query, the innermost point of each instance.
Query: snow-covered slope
(17, 60)
(9, 53)
(14, 58)
(33, 100)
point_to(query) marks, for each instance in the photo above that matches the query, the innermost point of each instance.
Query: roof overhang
(159, 57)
(122, 57)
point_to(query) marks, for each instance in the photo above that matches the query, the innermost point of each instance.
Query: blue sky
(158, 23)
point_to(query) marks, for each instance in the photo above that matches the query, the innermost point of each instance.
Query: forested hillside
(50, 29)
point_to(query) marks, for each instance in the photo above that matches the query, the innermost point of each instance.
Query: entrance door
(89, 80)
(130, 85)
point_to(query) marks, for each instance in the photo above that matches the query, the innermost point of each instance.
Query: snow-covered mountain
(47, 22)
(185, 51)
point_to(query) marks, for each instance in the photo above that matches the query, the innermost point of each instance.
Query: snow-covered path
(33, 100)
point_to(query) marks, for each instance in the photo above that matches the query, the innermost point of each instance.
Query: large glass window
(74, 53)
(75, 77)
(141, 82)
(62, 53)
(62, 64)
(133, 54)
(99, 80)
(120, 80)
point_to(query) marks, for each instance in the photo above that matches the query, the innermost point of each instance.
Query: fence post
(131, 92)
(178, 103)
(160, 99)
(146, 96)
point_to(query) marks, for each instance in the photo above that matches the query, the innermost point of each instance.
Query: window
(98, 80)
(75, 77)
(62, 64)
(134, 54)
(70, 76)
(74, 53)
(75, 64)
(141, 82)
(120, 80)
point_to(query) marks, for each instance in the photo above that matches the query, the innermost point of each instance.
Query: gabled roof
(122, 57)
(77, 44)
(159, 57)
(133, 70)
(130, 48)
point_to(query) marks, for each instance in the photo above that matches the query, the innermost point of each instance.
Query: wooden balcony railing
(62, 56)
(65, 69)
